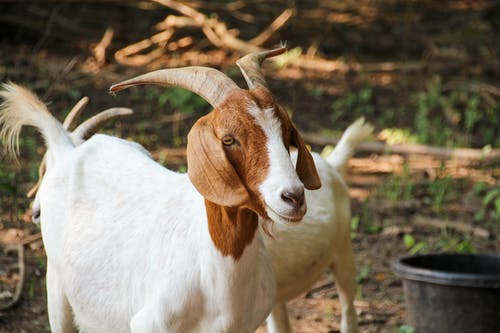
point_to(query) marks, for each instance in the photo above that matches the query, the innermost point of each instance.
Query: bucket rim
(408, 272)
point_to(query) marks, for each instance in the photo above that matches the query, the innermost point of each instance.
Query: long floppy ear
(209, 169)
(306, 169)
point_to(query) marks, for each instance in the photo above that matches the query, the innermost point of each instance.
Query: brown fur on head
(226, 153)
(306, 170)
(228, 156)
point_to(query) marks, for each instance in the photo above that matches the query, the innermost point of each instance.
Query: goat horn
(95, 123)
(250, 66)
(75, 113)
(211, 84)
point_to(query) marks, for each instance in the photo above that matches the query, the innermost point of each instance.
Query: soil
(62, 69)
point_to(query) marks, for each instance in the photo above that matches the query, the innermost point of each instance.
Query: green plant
(472, 114)
(406, 329)
(363, 274)
(8, 184)
(353, 104)
(181, 99)
(366, 221)
(354, 226)
(413, 246)
(317, 92)
(429, 115)
(397, 187)
(439, 191)
(173, 99)
(450, 243)
(455, 117)
(490, 203)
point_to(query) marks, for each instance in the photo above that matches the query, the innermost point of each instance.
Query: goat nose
(295, 199)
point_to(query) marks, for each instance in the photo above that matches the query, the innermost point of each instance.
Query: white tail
(19, 108)
(356, 133)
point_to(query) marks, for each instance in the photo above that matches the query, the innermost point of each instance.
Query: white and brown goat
(133, 247)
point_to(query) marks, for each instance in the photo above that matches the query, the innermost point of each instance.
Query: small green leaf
(406, 329)
(363, 274)
(418, 247)
(354, 223)
(409, 241)
(497, 207)
(488, 198)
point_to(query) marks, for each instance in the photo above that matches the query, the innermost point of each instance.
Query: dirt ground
(396, 48)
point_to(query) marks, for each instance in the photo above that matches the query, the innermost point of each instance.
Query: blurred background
(426, 74)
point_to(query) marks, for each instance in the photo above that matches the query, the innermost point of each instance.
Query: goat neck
(231, 229)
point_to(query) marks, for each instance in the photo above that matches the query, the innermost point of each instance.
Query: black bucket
(452, 293)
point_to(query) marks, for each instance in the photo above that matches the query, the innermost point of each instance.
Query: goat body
(129, 217)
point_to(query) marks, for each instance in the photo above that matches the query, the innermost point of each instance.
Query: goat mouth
(286, 218)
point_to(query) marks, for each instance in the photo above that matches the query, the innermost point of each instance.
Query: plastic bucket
(451, 293)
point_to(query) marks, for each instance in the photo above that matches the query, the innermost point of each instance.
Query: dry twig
(100, 49)
(129, 54)
(277, 24)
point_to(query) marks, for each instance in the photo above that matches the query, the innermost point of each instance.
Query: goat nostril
(295, 199)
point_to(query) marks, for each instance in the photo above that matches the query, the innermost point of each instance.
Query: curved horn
(75, 113)
(211, 84)
(95, 123)
(250, 66)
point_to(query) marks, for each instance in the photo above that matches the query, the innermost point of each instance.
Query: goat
(134, 247)
(77, 136)
(301, 254)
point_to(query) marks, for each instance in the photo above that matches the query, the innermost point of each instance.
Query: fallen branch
(470, 154)
(21, 269)
(459, 226)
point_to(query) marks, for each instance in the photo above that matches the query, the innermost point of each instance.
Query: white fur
(127, 241)
(133, 262)
(280, 169)
(301, 254)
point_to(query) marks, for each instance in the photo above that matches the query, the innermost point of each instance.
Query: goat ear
(306, 169)
(209, 169)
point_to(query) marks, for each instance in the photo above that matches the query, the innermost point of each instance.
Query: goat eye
(228, 140)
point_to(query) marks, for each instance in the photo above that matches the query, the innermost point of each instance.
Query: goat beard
(267, 224)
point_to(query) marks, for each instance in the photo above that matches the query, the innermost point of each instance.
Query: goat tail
(21, 107)
(356, 133)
